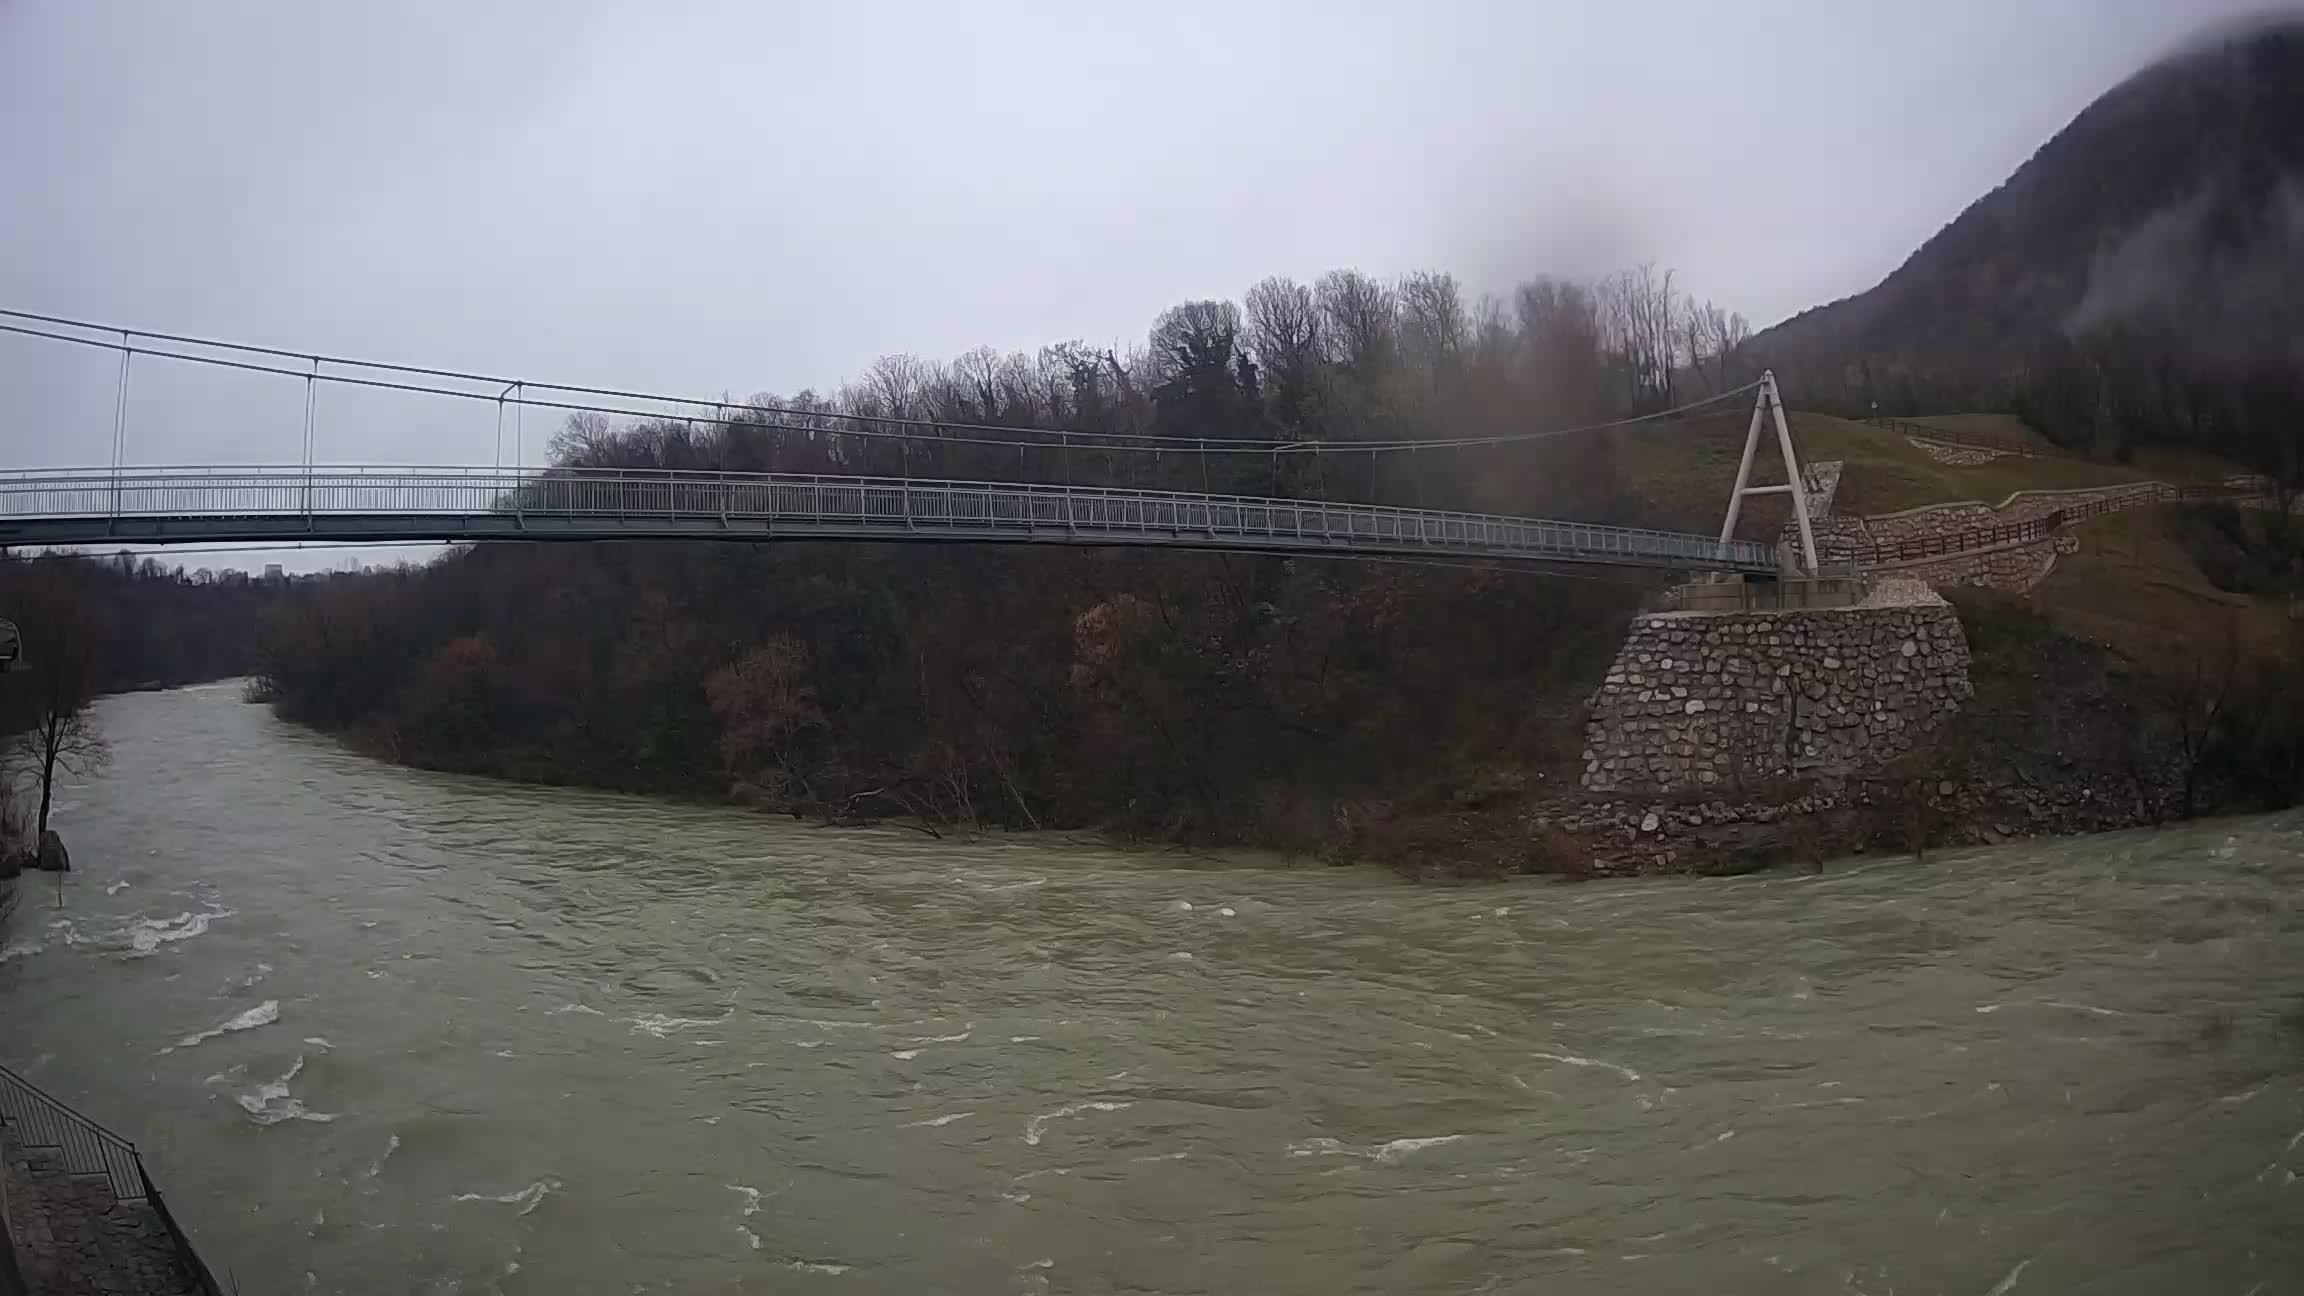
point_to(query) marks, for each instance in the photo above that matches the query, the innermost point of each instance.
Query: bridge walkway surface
(384, 504)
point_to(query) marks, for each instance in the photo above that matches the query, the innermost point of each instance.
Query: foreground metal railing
(364, 502)
(41, 1123)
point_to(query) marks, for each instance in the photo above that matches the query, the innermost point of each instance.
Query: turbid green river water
(386, 1031)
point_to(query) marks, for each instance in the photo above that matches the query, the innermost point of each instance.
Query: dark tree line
(1347, 360)
(1201, 697)
(93, 626)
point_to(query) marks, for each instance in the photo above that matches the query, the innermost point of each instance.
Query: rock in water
(53, 857)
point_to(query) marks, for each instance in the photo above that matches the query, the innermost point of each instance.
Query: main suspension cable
(751, 415)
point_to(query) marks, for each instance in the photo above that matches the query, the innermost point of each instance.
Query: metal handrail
(1918, 548)
(40, 1121)
(858, 503)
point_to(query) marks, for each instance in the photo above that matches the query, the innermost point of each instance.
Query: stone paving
(74, 1239)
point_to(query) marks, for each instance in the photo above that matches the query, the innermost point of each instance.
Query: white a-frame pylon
(1769, 406)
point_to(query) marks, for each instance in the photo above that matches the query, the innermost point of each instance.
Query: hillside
(2162, 230)
(1682, 470)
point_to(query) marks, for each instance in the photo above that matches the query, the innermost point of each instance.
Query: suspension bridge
(128, 504)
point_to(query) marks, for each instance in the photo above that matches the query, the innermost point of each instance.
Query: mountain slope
(2174, 202)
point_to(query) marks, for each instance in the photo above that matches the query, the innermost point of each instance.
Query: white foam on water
(20, 949)
(2053, 1003)
(934, 1121)
(816, 1267)
(147, 935)
(115, 888)
(263, 1014)
(808, 1044)
(528, 1198)
(318, 1041)
(943, 1039)
(1576, 1060)
(1035, 1126)
(1165, 1156)
(661, 1025)
(905, 1055)
(585, 1009)
(1392, 1152)
(376, 1167)
(751, 1198)
(751, 1238)
(1023, 1039)
(2008, 1284)
(270, 1103)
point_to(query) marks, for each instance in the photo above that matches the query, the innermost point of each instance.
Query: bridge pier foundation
(1730, 692)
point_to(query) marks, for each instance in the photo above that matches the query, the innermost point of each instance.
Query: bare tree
(1284, 336)
(1196, 338)
(1712, 339)
(897, 387)
(1638, 310)
(1560, 329)
(1434, 326)
(57, 619)
(586, 440)
(1359, 322)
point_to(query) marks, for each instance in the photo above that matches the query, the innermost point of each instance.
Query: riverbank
(2060, 737)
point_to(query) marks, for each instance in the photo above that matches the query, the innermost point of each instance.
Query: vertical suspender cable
(311, 395)
(120, 421)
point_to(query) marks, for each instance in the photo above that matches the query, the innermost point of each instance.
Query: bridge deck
(185, 505)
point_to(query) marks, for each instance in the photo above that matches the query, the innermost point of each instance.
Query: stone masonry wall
(1696, 699)
(2010, 568)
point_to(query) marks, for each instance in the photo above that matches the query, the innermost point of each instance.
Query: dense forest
(1198, 697)
(131, 622)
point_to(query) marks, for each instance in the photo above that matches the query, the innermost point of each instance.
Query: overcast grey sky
(753, 196)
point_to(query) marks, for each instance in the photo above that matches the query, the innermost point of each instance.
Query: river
(381, 1030)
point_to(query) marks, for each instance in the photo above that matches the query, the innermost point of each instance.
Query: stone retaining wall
(1700, 699)
(1955, 455)
(2011, 568)
(1971, 515)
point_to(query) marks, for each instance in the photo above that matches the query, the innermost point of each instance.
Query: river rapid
(379, 1030)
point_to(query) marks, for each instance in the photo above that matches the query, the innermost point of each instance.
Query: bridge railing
(858, 504)
(84, 1147)
(1891, 553)
(38, 1122)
